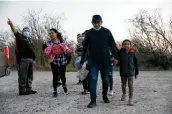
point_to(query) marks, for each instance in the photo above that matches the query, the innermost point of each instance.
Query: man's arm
(14, 30)
(12, 26)
(85, 47)
(34, 56)
(112, 45)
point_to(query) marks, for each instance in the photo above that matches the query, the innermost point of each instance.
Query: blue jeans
(94, 77)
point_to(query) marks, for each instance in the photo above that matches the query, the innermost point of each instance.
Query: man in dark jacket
(99, 42)
(25, 57)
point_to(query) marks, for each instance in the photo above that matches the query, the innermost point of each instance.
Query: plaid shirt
(59, 60)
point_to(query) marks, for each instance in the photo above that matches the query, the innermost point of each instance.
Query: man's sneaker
(123, 98)
(92, 104)
(130, 102)
(106, 100)
(55, 94)
(31, 92)
(85, 92)
(111, 93)
(65, 89)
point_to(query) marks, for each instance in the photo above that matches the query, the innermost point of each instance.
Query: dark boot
(92, 104)
(123, 98)
(130, 102)
(65, 89)
(55, 94)
(105, 99)
(31, 92)
(23, 93)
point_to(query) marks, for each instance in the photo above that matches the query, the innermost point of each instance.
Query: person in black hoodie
(97, 42)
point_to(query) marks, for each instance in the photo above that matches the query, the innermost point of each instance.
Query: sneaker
(111, 93)
(65, 89)
(106, 100)
(55, 94)
(130, 102)
(123, 98)
(85, 92)
(31, 92)
(92, 104)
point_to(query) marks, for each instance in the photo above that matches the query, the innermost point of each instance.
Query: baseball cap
(26, 29)
(96, 18)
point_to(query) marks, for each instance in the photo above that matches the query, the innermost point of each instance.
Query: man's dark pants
(25, 75)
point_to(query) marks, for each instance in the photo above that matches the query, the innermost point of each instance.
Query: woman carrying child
(57, 51)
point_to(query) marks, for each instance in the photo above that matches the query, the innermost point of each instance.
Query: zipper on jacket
(127, 64)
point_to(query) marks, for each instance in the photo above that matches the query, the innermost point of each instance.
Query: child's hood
(131, 50)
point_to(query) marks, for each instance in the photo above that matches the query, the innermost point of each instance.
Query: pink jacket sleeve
(65, 48)
(48, 50)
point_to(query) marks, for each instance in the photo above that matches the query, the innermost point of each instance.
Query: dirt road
(153, 95)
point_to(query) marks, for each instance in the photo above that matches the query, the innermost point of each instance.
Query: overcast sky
(78, 13)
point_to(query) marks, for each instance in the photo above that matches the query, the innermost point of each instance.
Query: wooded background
(151, 36)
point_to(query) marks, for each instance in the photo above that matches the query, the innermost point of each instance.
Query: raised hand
(9, 22)
(12, 26)
(136, 76)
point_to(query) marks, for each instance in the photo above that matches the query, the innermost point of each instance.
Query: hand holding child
(136, 76)
(115, 62)
(80, 66)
